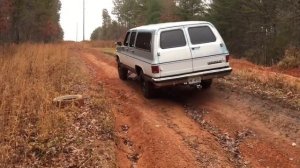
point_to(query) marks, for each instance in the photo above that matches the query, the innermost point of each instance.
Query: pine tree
(153, 12)
(190, 9)
(30, 20)
(5, 19)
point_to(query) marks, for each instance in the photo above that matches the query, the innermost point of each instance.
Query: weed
(34, 132)
(291, 58)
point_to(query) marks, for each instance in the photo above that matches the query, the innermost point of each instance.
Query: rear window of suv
(143, 41)
(202, 34)
(172, 39)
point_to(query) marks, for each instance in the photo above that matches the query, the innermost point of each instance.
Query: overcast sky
(71, 16)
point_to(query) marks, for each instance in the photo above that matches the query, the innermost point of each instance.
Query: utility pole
(83, 19)
(77, 32)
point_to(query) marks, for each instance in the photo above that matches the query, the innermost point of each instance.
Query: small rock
(247, 162)
(133, 157)
(93, 121)
(128, 142)
(291, 159)
(124, 128)
(294, 144)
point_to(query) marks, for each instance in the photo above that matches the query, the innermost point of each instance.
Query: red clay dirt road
(183, 127)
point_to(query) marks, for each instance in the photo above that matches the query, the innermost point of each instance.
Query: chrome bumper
(183, 79)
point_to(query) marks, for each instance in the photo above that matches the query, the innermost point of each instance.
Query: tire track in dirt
(161, 133)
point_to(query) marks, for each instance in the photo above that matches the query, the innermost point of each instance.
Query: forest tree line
(30, 20)
(261, 30)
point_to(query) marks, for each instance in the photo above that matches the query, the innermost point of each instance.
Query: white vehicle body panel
(208, 52)
(174, 60)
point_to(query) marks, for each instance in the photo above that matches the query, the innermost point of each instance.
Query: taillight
(227, 58)
(155, 69)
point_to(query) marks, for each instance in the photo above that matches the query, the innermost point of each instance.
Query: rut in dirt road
(182, 128)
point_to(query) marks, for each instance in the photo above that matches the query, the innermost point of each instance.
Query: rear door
(207, 47)
(130, 50)
(125, 49)
(174, 55)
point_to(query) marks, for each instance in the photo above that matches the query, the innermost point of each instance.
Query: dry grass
(33, 131)
(291, 58)
(281, 88)
(270, 79)
(109, 51)
(101, 44)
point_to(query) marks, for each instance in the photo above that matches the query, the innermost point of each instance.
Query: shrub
(291, 58)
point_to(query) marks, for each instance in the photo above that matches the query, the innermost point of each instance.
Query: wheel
(123, 72)
(147, 87)
(206, 83)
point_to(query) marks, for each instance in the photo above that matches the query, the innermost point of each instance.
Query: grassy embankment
(34, 132)
(264, 82)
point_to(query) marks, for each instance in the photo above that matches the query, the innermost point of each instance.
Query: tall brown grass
(283, 88)
(30, 77)
(101, 44)
(291, 58)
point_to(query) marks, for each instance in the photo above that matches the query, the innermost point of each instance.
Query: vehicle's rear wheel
(206, 83)
(123, 72)
(147, 87)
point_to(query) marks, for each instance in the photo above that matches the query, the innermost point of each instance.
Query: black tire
(123, 72)
(148, 89)
(206, 83)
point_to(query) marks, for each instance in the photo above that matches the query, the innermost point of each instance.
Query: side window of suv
(126, 41)
(172, 39)
(132, 39)
(143, 41)
(202, 34)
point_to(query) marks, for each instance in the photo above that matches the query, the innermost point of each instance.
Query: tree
(30, 20)
(154, 11)
(110, 29)
(190, 9)
(106, 23)
(249, 27)
(5, 19)
(129, 12)
(132, 13)
(97, 34)
(289, 19)
(168, 11)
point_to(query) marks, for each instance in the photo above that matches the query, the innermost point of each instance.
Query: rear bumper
(183, 79)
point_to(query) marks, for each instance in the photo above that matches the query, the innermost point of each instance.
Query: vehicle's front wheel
(206, 83)
(147, 87)
(123, 72)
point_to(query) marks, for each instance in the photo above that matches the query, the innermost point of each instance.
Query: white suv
(169, 54)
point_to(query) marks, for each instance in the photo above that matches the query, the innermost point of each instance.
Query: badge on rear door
(215, 62)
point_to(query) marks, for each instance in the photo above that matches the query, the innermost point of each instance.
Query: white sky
(71, 16)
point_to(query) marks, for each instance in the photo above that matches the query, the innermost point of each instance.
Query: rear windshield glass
(172, 39)
(132, 38)
(143, 41)
(200, 35)
(126, 41)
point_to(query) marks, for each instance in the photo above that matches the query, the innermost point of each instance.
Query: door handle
(195, 48)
